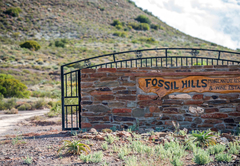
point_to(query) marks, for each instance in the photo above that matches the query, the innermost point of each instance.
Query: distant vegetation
(30, 44)
(13, 11)
(10, 87)
(143, 19)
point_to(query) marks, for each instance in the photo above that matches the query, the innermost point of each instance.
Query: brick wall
(111, 97)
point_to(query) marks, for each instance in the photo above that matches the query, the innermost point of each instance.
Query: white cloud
(217, 21)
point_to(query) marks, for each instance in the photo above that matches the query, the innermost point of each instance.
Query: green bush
(156, 27)
(201, 157)
(120, 34)
(143, 19)
(119, 27)
(141, 26)
(7, 105)
(31, 44)
(40, 104)
(216, 149)
(25, 106)
(10, 87)
(116, 22)
(129, 1)
(61, 43)
(147, 12)
(13, 11)
(55, 110)
(148, 40)
(223, 157)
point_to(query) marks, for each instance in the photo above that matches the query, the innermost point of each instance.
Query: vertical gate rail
(71, 80)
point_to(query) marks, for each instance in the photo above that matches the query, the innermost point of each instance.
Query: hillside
(76, 29)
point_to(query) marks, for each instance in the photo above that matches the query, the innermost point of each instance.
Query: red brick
(229, 96)
(220, 126)
(97, 119)
(93, 114)
(124, 92)
(123, 114)
(154, 109)
(234, 114)
(89, 79)
(238, 107)
(86, 85)
(170, 111)
(108, 78)
(102, 126)
(132, 78)
(147, 97)
(126, 98)
(101, 93)
(198, 96)
(98, 75)
(205, 125)
(148, 115)
(194, 102)
(215, 115)
(189, 119)
(150, 103)
(108, 70)
(171, 101)
(126, 83)
(207, 97)
(214, 129)
(86, 125)
(213, 121)
(119, 88)
(103, 97)
(88, 70)
(168, 123)
(211, 110)
(122, 110)
(84, 76)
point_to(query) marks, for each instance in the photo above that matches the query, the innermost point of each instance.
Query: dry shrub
(11, 111)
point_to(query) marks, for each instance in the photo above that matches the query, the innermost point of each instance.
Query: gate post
(62, 97)
(79, 98)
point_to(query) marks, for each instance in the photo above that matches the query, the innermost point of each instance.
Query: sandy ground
(8, 121)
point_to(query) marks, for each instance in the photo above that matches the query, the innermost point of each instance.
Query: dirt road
(8, 122)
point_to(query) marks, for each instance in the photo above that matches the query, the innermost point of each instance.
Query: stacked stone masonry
(111, 97)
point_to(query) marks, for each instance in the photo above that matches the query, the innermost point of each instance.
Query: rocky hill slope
(68, 30)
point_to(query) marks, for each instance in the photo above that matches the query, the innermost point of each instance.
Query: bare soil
(39, 138)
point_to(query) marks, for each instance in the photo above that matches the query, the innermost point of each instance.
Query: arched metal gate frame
(165, 57)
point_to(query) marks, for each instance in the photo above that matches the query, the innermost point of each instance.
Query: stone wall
(111, 97)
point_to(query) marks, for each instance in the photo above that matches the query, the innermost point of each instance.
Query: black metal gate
(158, 57)
(71, 99)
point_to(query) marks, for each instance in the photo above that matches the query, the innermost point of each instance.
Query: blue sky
(217, 21)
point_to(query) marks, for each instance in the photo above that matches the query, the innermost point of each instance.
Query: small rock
(234, 157)
(141, 130)
(123, 134)
(106, 130)
(92, 130)
(161, 134)
(88, 136)
(149, 130)
(180, 96)
(196, 110)
(228, 136)
(224, 140)
(99, 137)
(169, 138)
